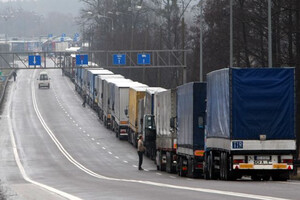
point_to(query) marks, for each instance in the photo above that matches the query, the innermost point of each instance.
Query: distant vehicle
(44, 80)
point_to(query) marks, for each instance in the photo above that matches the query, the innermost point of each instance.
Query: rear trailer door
(263, 104)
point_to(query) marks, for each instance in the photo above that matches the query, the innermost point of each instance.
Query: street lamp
(201, 41)
(132, 9)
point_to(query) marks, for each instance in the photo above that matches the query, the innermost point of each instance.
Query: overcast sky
(45, 6)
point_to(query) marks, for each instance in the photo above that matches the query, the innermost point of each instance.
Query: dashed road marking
(103, 148)
(134, 166)
(110, 152)
(125, 161)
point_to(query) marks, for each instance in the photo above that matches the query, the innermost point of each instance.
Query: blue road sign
(82, 60)
(119, 59)
(50, 35)
(76, 35)
(143, 59)
(63, 35)
(34, 60)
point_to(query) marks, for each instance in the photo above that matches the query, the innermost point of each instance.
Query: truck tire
(205, 168)
(211, 170)
(222, 177)
(181, 172)
(158, 163)
(284, 176)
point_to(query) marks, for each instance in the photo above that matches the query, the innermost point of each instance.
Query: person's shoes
(141, 169)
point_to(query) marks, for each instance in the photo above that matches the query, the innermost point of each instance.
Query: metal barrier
(4, 83)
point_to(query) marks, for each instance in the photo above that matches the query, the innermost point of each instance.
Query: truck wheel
(225, 166)
(211, 170)
(280, 176)
(222, 166)
(255, 178)
(266, 178)
(181, 172)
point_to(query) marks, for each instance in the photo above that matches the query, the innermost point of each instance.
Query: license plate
(262, 157)
(262, 160)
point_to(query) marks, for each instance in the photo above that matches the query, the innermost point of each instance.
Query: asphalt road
(53, 148)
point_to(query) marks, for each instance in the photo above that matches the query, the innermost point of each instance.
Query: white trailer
(99, 89)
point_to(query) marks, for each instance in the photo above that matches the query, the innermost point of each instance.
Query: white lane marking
(146, 170)
(292, 183)
(92, 173)
(21, 168)
(76, 124)
(134, 166)
(73, 121)
(172, 177)
(84, 131)
(125, 161)
(103, 148)
(117, 157)
(88, 135)
(80, 128)
(98, 143)
(110, 152)
(93, 139)
(159, 174)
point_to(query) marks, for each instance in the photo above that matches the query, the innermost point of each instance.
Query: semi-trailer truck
(191, 107)
(250, 123)
(166, 136)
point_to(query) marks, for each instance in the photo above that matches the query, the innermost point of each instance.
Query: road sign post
(82, 60)
(34, 60)
(119, 59)
(143, 59)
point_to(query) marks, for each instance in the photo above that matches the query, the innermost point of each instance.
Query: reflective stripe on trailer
(275, 166)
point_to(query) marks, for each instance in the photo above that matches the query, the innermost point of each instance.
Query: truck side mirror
(172, 122)
(200, 122)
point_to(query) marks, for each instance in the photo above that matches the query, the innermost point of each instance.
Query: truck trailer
(166, 136)
(148, 122)
(191, 107)
(99, 89)
(92, 74)
(136, 93)
(120, 120)
(250, 124)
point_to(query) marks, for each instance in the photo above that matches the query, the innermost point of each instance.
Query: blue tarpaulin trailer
(250, 123)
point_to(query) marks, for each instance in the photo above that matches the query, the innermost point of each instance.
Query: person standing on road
(141, 150)
(84, 98)
(15, 75)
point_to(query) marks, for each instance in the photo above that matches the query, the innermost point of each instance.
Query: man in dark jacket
(141, 150)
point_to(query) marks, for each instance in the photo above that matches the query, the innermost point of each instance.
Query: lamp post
(231, 35)
(201, 41)
(270, 63)
(131, 9)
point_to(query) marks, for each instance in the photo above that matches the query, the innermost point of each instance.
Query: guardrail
(2, 91)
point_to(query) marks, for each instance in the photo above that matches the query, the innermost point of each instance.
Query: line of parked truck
(240, 122)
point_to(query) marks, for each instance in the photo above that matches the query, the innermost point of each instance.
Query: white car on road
(44, 80)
